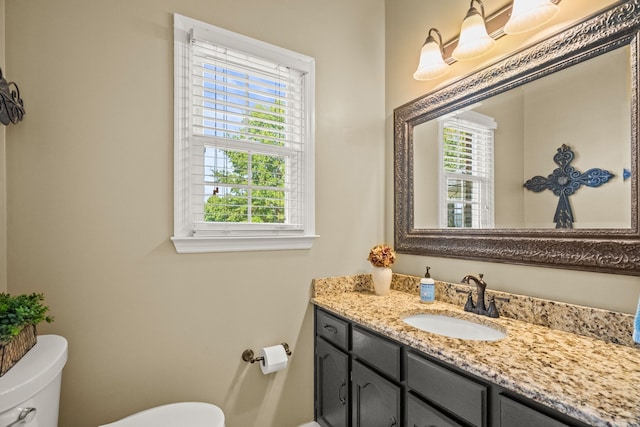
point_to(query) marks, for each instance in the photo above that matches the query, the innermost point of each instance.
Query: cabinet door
(375, 400)
(419, 414)
(332, 385)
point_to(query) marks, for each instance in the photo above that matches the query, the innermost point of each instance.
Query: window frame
(486, 184)
(232, 237)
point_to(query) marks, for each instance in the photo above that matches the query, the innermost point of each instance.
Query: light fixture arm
(473, 10)
(431, 39)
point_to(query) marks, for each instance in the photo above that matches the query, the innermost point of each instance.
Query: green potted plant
(19, 316)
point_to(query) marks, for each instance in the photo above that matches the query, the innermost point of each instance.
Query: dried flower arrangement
(382, 256)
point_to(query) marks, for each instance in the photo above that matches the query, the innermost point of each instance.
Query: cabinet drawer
(420, 414)
(461, 396)
(376, 351)
(514, 414)
(334, 330)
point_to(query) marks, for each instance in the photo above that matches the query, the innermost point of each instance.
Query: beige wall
(90, 204)
(597, 132)
(509, 197)
(407, 23)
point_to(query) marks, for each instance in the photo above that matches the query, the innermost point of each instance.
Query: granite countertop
(589, 379)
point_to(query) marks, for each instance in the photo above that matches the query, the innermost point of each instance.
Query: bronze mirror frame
(602, 250)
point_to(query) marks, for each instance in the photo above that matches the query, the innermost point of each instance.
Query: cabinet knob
(394, 422)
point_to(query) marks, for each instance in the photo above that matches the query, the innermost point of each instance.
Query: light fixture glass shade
(529, 14)
(474, 40)
(431, 64)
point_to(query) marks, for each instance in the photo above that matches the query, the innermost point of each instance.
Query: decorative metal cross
(11, 106)
(564, 181)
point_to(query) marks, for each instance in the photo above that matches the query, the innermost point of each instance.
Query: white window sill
(190, 245)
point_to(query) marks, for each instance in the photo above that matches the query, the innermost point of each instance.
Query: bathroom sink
(454, 327)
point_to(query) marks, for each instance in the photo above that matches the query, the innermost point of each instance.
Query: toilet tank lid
(34, 371)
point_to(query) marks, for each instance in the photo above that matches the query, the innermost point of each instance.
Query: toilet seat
(184, 414)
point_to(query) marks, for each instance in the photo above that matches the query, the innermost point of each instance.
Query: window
(243, 172)
(466, 174)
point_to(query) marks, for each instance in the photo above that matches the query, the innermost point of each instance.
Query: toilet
(30, 390)
(183, 414)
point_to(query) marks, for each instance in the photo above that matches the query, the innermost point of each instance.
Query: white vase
(381, 277)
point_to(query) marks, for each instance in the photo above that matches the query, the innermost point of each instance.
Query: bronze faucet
(479, 307)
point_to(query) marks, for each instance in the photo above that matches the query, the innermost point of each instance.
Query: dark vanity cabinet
(332, 379)
(363, 379)
(332, 371)
(376, 393)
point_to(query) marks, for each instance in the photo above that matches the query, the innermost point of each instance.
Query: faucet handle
(492, 311)
(469, 306)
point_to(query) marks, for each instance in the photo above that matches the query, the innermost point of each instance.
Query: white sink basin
(454, 327)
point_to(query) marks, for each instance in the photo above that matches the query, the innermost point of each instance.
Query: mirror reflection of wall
(587, 106)
(426, 175)
(590, 111)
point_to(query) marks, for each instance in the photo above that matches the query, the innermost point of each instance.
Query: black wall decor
(11, 105)
(564, 181)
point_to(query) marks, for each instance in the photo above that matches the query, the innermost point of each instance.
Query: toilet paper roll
(274, 359)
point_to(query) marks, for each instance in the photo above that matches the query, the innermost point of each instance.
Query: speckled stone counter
(592, 380)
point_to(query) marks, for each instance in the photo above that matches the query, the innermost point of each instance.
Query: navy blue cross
(564, 181)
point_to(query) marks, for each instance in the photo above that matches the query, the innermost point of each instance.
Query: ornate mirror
(574, 94)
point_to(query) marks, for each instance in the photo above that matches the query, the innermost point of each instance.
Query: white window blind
(466, 190)
(246, 136)
(248, 117)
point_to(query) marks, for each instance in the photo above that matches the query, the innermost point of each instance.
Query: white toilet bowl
(183, 414)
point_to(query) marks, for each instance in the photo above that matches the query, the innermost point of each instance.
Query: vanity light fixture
(474, 39)
(518, 16)
(431, 64)
(529, 14)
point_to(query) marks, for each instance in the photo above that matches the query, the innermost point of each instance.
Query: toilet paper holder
(248, 354)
